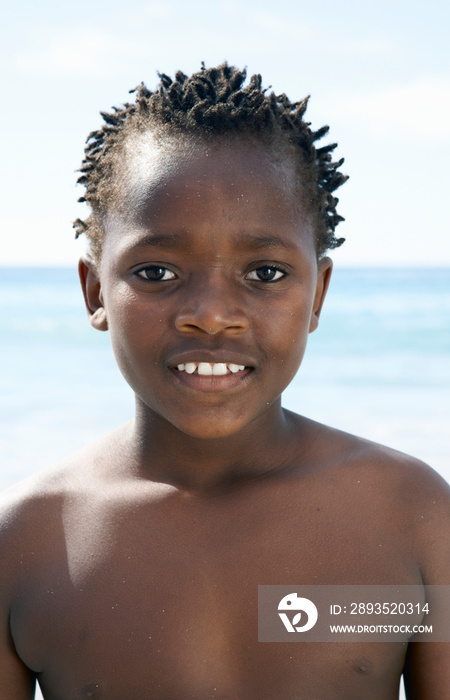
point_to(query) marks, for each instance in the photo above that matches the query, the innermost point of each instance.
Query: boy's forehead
(152, 167)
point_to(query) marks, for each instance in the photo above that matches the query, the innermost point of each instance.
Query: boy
(132, 569)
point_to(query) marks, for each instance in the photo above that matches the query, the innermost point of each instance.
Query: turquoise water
(378, 366)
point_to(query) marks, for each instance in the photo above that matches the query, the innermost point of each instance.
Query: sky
(378, 73)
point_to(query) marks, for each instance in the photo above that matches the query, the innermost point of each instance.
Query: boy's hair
(211, 103)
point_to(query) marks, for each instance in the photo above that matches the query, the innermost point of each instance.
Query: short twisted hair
(211, 103)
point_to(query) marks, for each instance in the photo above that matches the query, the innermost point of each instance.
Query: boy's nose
(211, 308)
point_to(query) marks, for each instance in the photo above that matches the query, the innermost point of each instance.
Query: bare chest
(162, 603)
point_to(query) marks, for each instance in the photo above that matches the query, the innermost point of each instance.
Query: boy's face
(208, 259)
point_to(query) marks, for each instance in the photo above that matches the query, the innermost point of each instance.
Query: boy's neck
(161, 452)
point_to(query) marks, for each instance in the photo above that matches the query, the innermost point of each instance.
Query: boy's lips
(206, 373)
(203, 356)
(206, 369)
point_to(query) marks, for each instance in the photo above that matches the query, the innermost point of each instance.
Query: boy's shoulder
(346, 452)
(380, 484)
(31, 509)
(382, 471)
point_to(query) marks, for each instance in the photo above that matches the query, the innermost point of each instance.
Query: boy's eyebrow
(257, 242)
(160, 241)
(246, 241)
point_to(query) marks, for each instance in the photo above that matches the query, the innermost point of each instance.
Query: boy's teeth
(208, 368)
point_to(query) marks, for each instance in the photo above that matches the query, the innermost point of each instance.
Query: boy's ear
(93, 297)
(325, 267)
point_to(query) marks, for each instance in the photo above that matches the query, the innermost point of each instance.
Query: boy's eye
(267, 273)
(156, 273)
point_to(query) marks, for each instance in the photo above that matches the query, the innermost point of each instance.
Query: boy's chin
(210, 430)
(204, 425)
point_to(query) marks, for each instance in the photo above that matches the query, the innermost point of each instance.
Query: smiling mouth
(206, 369)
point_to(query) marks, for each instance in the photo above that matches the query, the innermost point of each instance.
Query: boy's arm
(427, 671)
(427, 667)
(16, 680)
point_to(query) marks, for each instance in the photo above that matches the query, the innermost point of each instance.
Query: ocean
(378, 366)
